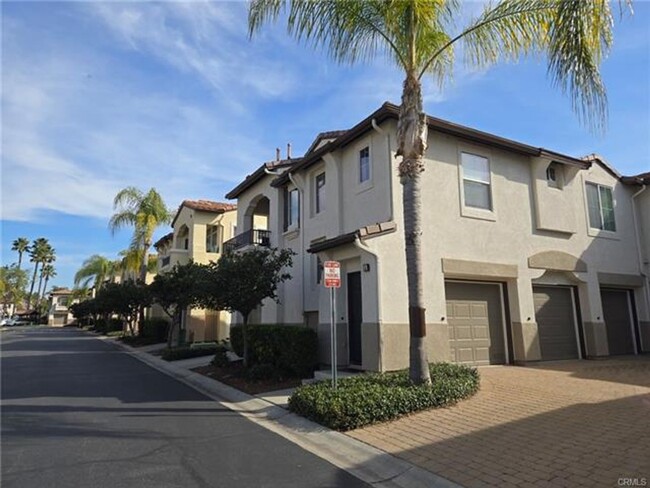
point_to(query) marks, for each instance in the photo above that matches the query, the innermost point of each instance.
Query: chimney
(277, 154)
(289, 151)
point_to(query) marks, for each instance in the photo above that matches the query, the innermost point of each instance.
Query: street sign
(332, 274)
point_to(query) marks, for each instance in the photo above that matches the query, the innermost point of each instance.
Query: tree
(96, 268)
(145, 212)
(419, 36)
(21, 246)
(38, 252)
(239, 282)
(47, 271)
(13, 281)
(124, 299)
(47, 258)
(183, 287)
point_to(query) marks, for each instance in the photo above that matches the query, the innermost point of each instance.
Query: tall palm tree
(48, 257)
(145, 212)
(47, 271)
(21, 246)
(419, 36)
(97, 269)
(39, 251)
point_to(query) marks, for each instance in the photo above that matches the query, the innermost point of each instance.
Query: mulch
(234, 375)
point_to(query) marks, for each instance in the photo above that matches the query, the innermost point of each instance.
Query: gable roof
(205, 206)
(329, 135)
(163, 240)
(391, 111)
(259, 173)
(640, 179)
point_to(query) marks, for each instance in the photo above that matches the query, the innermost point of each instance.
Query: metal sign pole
(335, 372)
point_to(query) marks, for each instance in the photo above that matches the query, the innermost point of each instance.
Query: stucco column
(591, 309)
(525, 335)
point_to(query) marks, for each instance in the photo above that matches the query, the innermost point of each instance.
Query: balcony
(252, 237)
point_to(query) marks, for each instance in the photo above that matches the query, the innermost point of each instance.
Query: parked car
(8, 322)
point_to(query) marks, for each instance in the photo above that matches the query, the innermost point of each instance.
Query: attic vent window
(554, 175)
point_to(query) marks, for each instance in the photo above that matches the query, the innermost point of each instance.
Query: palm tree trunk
(31, 288)
(47, 278)
(40, 283)
(412, 134)
(15, 300)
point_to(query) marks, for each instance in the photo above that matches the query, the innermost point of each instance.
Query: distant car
(8, 322)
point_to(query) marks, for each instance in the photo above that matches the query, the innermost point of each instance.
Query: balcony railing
(256, 237)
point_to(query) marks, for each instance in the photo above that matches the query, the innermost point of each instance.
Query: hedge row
(378, 397)
(293, 350)
(186, 352)
(155, 329)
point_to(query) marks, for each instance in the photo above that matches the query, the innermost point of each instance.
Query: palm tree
(21, 246)
(145, 212)
(97, 269)
(48, 257)
(47, 271)
(39, 251)
(419, 36)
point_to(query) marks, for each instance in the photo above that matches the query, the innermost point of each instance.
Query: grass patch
(377, 397)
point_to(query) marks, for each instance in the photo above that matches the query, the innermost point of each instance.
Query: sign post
(332, 280)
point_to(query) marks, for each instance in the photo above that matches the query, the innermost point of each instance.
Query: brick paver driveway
(569, 423)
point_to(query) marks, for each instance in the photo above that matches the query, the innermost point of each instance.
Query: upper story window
(476, 181)
(212, 238)
(291, 209)
(165, 261)
(600, 203)
(320, 193)
(364, 164)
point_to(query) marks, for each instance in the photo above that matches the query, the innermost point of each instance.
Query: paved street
(556, 424)
(78, 412)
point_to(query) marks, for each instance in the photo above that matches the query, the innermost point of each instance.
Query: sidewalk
(367, 463)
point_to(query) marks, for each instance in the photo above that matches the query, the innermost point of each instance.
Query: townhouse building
(200, 227)
(530, 255)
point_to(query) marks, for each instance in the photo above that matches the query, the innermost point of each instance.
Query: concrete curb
(357, 458)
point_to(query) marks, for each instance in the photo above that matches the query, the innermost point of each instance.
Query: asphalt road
(78, 412)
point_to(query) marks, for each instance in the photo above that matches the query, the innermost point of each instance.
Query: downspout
(364, 248)
(646, 279)
(390, 167)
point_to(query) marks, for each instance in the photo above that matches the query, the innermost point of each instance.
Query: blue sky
(98, 96)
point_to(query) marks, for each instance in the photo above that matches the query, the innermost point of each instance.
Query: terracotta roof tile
(163, 240)
(205, 206)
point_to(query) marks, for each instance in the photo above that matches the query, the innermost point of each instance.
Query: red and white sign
(332, 274)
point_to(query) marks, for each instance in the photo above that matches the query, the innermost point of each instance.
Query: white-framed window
(319, 187)
(600, 205)
(212, 238)
(364, 164)
(291, 209)
(476, 181)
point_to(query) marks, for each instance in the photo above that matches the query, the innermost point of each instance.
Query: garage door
(475, 323)
(554, 312)
(618, 321)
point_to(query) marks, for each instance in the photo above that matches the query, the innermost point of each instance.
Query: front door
(354, 317)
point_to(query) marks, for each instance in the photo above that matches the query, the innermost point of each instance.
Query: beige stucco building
(58, 313)
(200, 227)
(530, 255)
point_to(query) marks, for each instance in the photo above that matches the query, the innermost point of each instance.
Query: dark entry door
(618, 321)
(354, 317)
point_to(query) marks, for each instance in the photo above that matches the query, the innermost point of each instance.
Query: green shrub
(155, 329)
(293, 350)
(110, 325)
(115, 333)
(262, 371)
(187, 352)
(221, 355)
(378, 397)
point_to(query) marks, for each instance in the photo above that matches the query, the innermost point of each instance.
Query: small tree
(179, 289)
(13, 281)
(239, 282)
(124, 299)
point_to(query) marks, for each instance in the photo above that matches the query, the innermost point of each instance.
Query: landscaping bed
(377, 397)
(236, 376)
